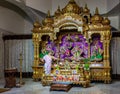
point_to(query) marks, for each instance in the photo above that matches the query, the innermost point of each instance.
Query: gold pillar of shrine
(101, 26)
(38, 32)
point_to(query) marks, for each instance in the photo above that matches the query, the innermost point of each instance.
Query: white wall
(21, 1)
(11, 21)
(56, 3)
(27, 27)
(111, 4)
(92, 4)
(41, 5)
(101, 4)
(115, 21)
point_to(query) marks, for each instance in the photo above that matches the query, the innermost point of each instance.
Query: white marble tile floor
(32, 87)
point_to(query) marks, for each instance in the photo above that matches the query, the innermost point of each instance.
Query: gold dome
(48, 20)
(37, 27)
(97, 18)
(106, 21)
(71, 7)
(86, 10)
(37, 24)
(58, 12)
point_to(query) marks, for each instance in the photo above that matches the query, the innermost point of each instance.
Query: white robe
(47, 65)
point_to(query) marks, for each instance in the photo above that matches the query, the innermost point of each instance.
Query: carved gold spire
(97, 18)
(71, 7)
(48, 20)
(48, 23)
(48, 15)
(57, 12)
(86, 10)
(96, 11)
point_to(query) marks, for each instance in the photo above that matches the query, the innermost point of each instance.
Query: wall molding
(12, 37)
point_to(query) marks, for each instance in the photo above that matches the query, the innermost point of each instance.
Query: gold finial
(97, 18)
(86, 6)
(48, 14)
(86, 10)
(71, 7)
(37, 23)
(58, 7)
(57, 12)
(96, 10)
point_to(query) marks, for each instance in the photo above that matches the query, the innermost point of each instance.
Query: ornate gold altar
(75, 26)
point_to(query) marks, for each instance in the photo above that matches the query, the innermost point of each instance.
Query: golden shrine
(80, 41)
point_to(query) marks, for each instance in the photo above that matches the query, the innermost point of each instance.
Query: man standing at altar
(48, 62)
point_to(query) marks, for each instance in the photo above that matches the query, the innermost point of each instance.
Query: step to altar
(60, 87)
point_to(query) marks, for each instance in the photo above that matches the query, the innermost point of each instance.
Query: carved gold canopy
(72, 16)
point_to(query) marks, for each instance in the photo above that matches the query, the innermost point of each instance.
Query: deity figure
(67, 65)
(49, 47)
(85, 50)
(65, 51)
(76, 52)
(96, 50)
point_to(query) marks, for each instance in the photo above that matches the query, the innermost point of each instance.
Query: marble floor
(32, 87)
